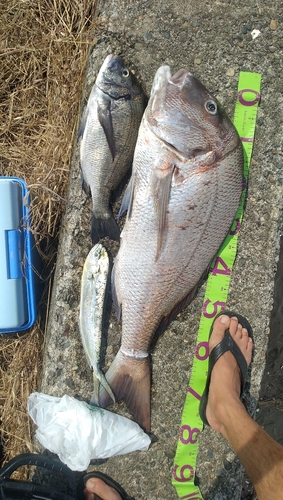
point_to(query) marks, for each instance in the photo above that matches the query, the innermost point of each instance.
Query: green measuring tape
(214, 301)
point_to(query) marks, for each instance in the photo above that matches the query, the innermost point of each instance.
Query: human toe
(235, 328)
(99, 487)
(241, 336)
(245, 333)
(220, 325)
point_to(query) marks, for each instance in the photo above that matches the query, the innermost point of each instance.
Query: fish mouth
(188, 84)
(179, 78)
(112, 64)
(161, 77)
(106, 62)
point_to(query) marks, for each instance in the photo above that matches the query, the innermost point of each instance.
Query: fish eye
(125, 73)
(211, 107)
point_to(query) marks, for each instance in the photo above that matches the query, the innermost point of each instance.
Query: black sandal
(107, 479)
(227, 344)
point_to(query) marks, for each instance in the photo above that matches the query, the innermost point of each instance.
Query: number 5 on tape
(214, 301)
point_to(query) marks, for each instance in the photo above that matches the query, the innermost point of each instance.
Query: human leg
(261, 456)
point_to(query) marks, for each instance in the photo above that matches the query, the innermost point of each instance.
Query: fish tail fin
(129, 378)
(94, 400)
(104, 227)
(99, 379)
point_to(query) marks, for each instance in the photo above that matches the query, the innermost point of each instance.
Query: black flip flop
(227, 344)
(107, 479)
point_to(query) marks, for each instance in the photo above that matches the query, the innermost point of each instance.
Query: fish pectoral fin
(129, 378)
(127, 200)
(161, 188)
(105, 120)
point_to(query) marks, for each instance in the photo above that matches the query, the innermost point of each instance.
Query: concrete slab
(213, 40)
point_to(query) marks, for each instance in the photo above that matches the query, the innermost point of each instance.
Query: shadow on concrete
(270, 412)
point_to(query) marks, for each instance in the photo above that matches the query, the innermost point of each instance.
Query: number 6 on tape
(214, 301)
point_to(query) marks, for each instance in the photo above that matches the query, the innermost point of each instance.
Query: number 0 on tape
(214, 301)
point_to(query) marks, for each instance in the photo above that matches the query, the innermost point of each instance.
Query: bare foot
(100, 488)
(225, 383)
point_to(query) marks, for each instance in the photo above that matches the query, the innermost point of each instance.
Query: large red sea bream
(183, 195)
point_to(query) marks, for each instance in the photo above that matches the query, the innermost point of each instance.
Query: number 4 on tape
(214, 301)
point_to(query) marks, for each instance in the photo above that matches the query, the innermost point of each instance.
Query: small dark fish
(109, 132)
(183, 195)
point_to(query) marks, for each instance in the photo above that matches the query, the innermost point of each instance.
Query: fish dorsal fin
(161, 188)
(105, 120)
(127, 200)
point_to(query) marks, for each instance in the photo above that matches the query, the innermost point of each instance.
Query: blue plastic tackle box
(17, 280)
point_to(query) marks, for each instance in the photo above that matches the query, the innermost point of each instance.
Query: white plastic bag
(78, 432)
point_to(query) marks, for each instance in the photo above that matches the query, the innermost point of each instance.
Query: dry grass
(43, 50)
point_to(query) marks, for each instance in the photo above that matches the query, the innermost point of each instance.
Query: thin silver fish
(93, 290)
(109, 133)
(183, 195)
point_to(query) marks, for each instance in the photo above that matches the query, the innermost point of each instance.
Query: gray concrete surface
(213, 40)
